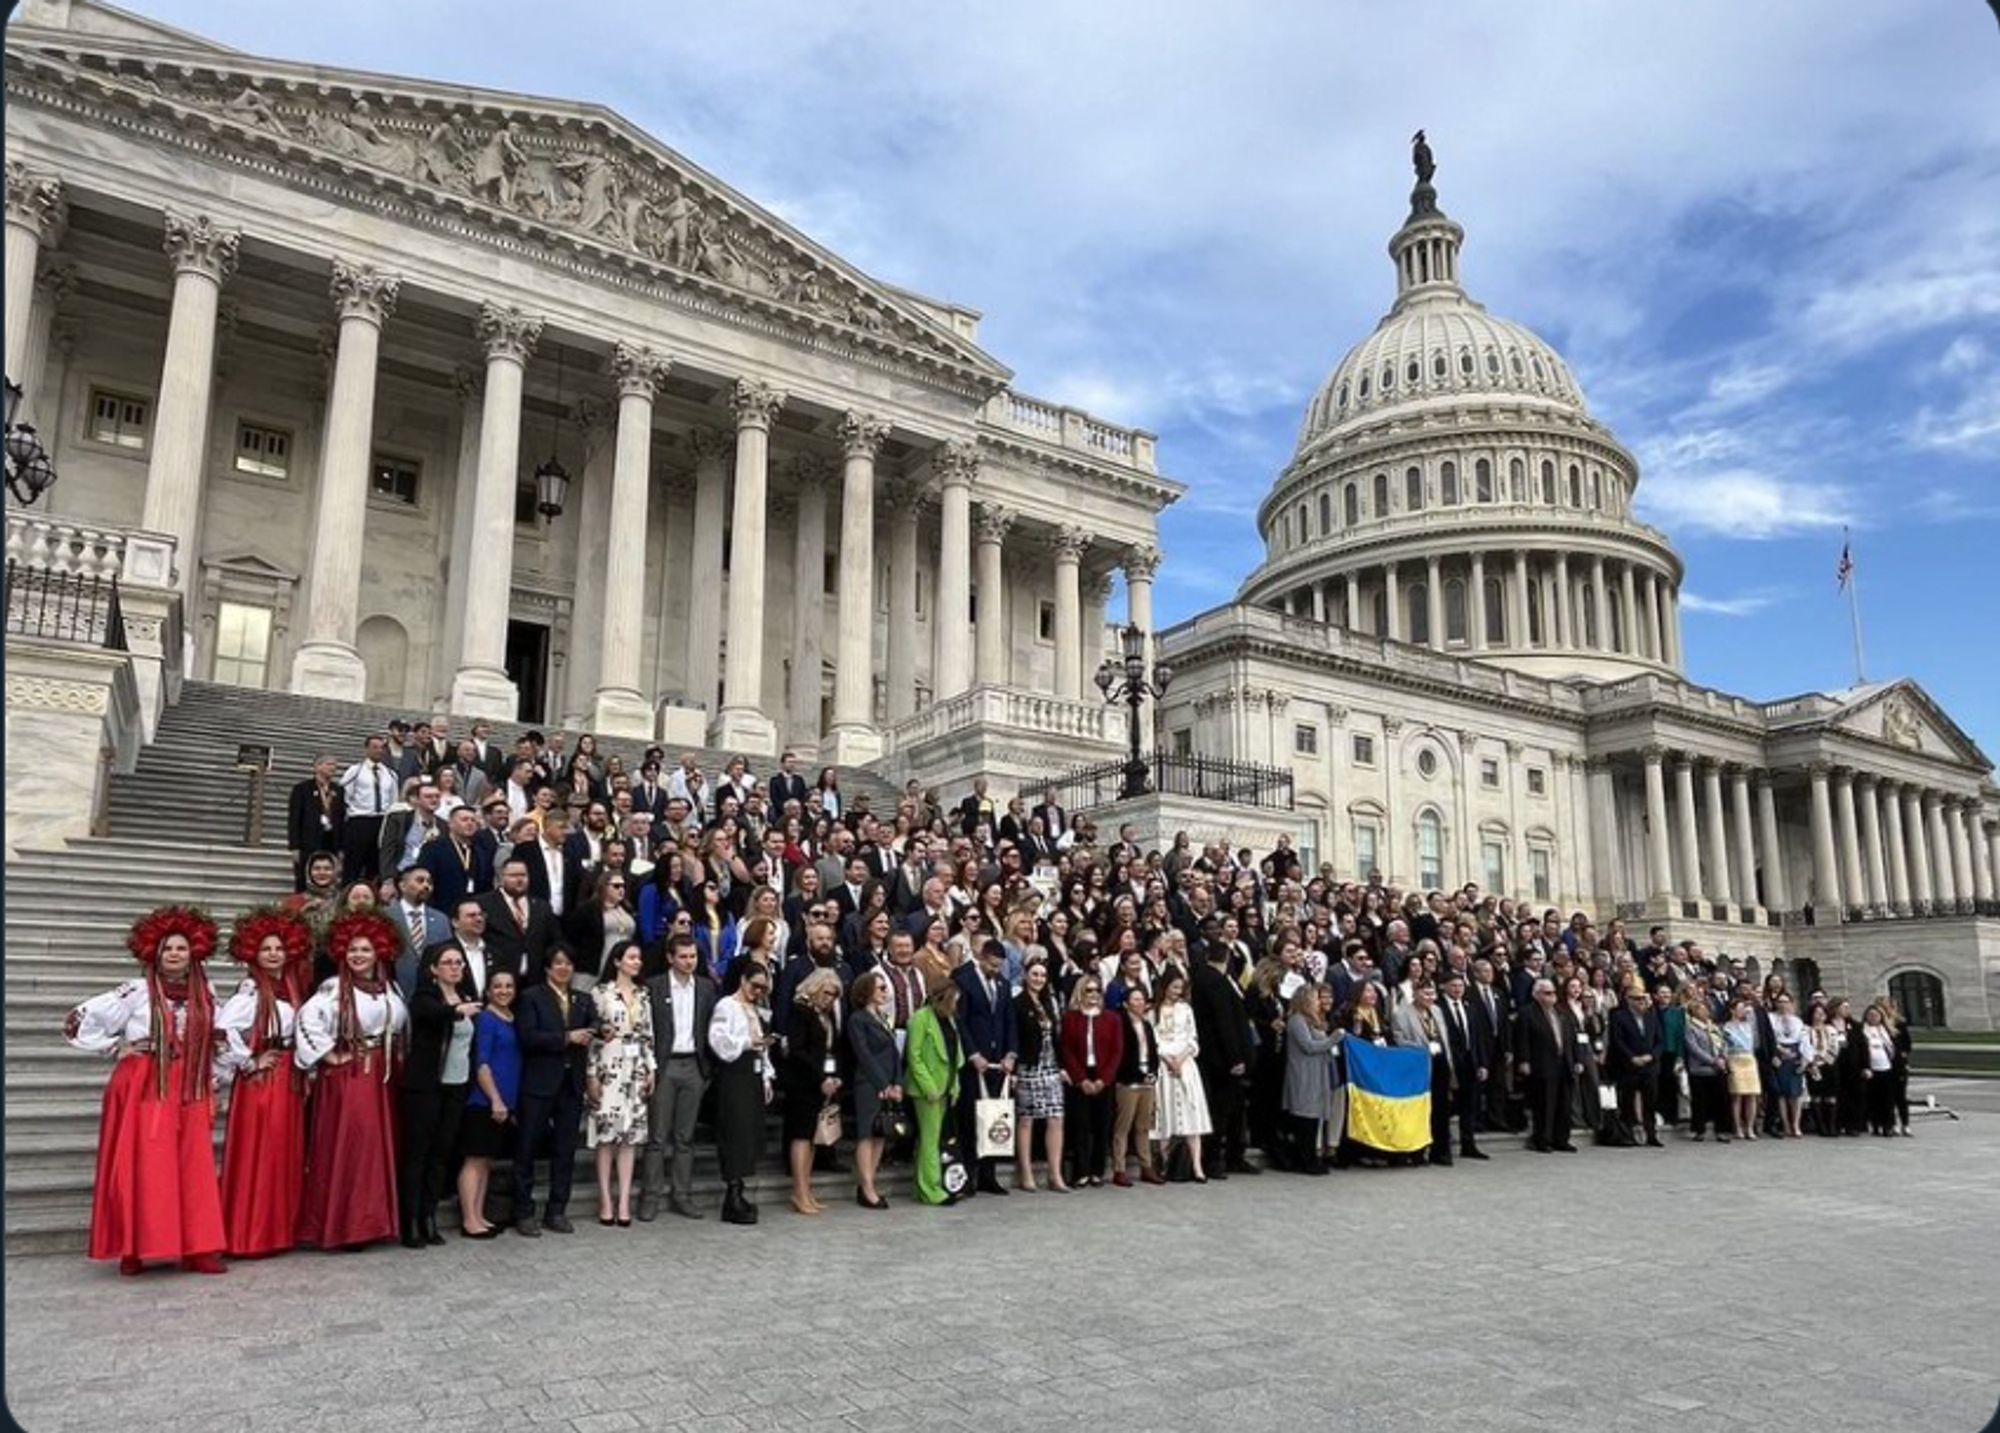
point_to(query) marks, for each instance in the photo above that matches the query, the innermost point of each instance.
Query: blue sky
(1766, 237)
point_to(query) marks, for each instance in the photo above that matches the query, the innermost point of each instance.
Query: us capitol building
(450, 399)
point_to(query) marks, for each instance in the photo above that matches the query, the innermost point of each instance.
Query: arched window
(1413, 490)
(1589, 611)
(1538, 369)
(1382, 613)
(1381, 495)
(1285, 531)
(1596, 489)
(1448, 485)
(1343, 397)
(1417, 598)
(1920, 996)
(1430, 850)
(1517, 480)
(1465, 362)
(1362, 391)
(1413, 372)
(1617, 606)
(1350, 505)
(1454, 611)
(1325, 513)
(1575, 486)
(1535, 614)
(1515, 359)
(1496, 612)
(1305, 524)
(1482, 481)
(1388, 377)
(1492, 363)
(1438, 365)
(1548, 493)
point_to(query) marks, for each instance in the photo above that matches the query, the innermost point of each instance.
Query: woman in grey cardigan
(1310, 1037)
(878, 1076)
(1707, 1062)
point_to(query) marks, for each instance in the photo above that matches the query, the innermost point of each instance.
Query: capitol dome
(1451, 489)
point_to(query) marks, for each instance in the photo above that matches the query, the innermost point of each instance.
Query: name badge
(1436, 1048)
(325, 822)
(1581, 1038)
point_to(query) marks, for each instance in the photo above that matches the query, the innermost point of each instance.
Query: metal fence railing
(1205, 778)
(64, 607)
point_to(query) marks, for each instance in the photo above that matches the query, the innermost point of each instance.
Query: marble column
(1629, 607)
(1353, 612)
(1142, 564)
(1777, 896)
(992, 634)
(1720, 886)
(204, 256)
(1600, 598)
(742, 726)
(469, 384)
(1561, 607)
(1847, 834)
(1687, 826)
(622, 707)
(1070, 544)
(1392, 599)
(1671, 597)
(326, 663)
(1916, 832)
(1518, 633)
(35, 214)
(1868, 800)
(856, 738)
(1746, 850)
(1318, 601)
(1961, 851)
(1659, 850)
(1476, 603)
(481, 686)
(957, 465)
(1888, 796)
(807, 646)
(1944, 881)
(1601, 815)
(596, 422)
(1827, 903)
(1977, 854)
(710, 448)
(1993, 853)
(1649, 616)
(1434, 603)
(905, 515)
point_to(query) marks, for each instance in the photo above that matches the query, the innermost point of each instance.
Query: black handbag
(892, 1124)
(1180, 1163)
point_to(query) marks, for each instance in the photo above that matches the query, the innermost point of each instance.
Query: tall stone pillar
(1434, 603)
(992, 632)
(905, 515)
(623, 708)
(1561, 607)
(808, 644)
(469, 384)
(1628, 595)
(1742, 838)
(1659, 851)
(1916, 833)
(1848, 835)
(1827, 902)
(1070, 544)
(742, 726)
(1777, 896)
(1944, 881)
(1096, 607)
(35, 215)
(1720, 885)
(596, 422)
(1600, 598)
(1888, 795)
(1141, 564)
(1868, 799)
(1961, 852)
(957, 464)
(1318, 601)
(856, 739)
(1476, 602)
(710, 448)
(1392, 600)
(204, 256)
(1649, 616)
(326, 663)
(1670, 596)
(1686, 823)
(481, 686)
(1977, 854)
(1993, 853)
(1601, 811)
(1518, 633)
(1353, 612)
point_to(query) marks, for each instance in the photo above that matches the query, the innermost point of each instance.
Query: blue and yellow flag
(1388, 1096)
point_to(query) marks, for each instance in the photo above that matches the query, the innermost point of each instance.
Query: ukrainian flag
(1388, 1096)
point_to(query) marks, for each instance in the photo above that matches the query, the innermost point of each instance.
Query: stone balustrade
(1072, 428)
(132, 555)
(1012, 711)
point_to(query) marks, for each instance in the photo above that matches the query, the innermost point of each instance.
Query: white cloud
(1965, 354)
(1746, 382)
(1743, 503)
(1744, 605)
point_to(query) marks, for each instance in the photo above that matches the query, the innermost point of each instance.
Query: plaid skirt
(1038, 1093)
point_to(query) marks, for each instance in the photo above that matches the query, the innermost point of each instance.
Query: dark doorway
(528, 667)
(1920, 995)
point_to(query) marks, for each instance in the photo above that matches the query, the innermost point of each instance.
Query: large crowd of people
(491, 958)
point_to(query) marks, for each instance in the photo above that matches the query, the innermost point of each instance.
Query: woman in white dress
(1180, 1107)
(622, 1070)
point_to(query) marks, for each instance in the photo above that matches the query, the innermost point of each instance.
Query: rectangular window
(1045, 621)
(242, 644)
(923, 593)
(120, 419)
(1538, 864)
(1489, 772)
(1430, 851)
(882, 578)
(525, 514)
(972, 606)
(1493, 857)
(395, 480)
(264, 452)
(1364, 850)
(1538, 781)
(1183, 741)
(1305, 739)
(1364, 750)
(830, 573)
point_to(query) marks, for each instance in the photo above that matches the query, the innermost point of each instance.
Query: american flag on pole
(1844, 573)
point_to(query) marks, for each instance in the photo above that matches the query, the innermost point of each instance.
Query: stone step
(206, 854)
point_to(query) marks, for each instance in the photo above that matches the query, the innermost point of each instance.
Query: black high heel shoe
(626, 1222)
(862, 1200)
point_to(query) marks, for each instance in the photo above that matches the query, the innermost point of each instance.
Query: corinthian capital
(363, 291)
(755, 404)
(1070, 543)
(34, 201)
(861, 434)
(197, 245)
(639, 371)
(505, 332)
(993, 522)
(957, 462)
(709, 445)
(1141, 563)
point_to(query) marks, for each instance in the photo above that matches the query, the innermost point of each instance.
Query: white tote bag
(993, 1117)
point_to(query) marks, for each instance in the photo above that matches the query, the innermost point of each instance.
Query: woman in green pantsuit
(930, 1070)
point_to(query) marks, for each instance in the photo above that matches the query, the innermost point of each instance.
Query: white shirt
(369, 788)
(682, 1001)
(381, 1017)
(552, 861)
(121, 1017)
(475, 963)
(237, 1016)
(517, 801)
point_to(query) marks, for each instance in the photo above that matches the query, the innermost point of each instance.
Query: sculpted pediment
(581, 175)
(1903, 715)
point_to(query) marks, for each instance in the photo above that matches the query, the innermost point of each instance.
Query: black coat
(1497, 1029)
(1471, 1043)
(431, 1022)
(523, 950)
(1549, 1054)
(1221, 1020)
(303, 831)
(548, 1061)
(1630, 1037)
(453, 880)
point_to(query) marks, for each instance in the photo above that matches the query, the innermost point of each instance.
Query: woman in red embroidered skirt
(348, 1032)
(264, 1144)
(156, 1198)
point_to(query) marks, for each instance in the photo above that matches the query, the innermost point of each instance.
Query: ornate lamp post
(29, 471)
(551, 477)
(1123, 679)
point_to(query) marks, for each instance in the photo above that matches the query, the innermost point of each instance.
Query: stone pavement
(1823, 1286)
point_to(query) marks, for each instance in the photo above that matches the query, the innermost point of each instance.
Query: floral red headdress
(382, 933)
(294, 982)
(190, 1044)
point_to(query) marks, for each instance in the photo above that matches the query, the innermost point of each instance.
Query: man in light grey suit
(1417, 1023)
(420, 926)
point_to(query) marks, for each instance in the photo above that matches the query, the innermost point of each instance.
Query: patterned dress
(1038, 1093)
(621, 1058)
(1180, 1105)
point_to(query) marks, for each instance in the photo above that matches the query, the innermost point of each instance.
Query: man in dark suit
(986, 1024)
(1633, 1048)
(554, 874)
(488, 752)
(822, 952)
(417, 822)
(555, 1025)
(1227, 1041)
(1470, 1043)
(850, 895)
(1491, 1012)
(787, 784)
(461, 865)
(1055, 820)
(473, 782)
(649, 793)
(683, 1002)
(1545, 1057)
(977, 809)
(520, 930)
(421, 925)
(314, 817)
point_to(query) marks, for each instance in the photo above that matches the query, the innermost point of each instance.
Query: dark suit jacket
(785, 788)
(452, 882)
(1055, 820)
(1221, 1021)
(787, 985)
(509, 946)
(873, 1046)
(660, 990)
(1496, 1029)
(302, 829)
(549, 1063)
(1630, 1037)
(969, 814)
(987, 1028)
(1550, 1054)
(431, 1022)
(654, 805)
(530, 852)
(1471, 1043)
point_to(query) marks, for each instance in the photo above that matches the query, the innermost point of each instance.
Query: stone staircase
(177, 826)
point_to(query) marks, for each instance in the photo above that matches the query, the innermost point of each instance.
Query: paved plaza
(1825, 1286)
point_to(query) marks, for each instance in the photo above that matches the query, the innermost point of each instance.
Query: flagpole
(1854, 615)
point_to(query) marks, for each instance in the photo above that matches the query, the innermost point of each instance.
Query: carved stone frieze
(52, 694)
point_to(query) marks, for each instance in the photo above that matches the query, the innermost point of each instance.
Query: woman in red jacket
(264, 1146)
(1093, 1042)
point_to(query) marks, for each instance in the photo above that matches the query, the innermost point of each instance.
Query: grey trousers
(670, 1123)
